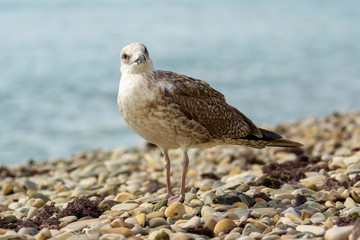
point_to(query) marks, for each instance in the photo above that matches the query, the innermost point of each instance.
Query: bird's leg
(180, 197)
(168, 181)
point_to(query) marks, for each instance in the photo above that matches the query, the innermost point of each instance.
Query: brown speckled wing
(201, 103)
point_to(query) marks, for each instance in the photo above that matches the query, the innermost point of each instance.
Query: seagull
(175, 111)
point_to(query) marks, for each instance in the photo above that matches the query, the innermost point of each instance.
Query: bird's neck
(137, 69)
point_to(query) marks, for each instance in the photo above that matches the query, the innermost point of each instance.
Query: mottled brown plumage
(176, 111)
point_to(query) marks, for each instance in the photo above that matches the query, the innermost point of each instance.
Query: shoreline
(233, 191)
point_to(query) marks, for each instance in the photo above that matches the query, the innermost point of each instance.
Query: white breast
(138, 101)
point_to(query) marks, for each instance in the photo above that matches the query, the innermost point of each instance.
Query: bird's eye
(125, 56)
(146, 51)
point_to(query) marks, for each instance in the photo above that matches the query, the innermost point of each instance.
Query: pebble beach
(233, 192)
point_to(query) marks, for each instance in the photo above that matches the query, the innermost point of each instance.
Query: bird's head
(135, 59)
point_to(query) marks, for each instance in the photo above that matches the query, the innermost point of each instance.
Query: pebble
(210, 224)
(337, 162)
(355, 196)
(156, 222)
(38, 202)
(250, 228)
(43, 234)
(119, 230)
(39, 195)
(338, 233)
(319, 231)
(62, 236)
(207, 211)
(124, 207)
(75, 226)
(28, 231)
(122, 197)
(192, 223)
(233, 236)
(209, 198)
(7, 189)
(33, 211)
(156, 214)
(349, 203)
(30, 185)
(224, 226)
(175, 210)
(140, 218)
(317, 218)
(224, 202)
(293, 211)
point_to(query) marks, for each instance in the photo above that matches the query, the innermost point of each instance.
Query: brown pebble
(120, 223)
(119, 230)
(175, 210)
(257, 200)
(140, 218)
(305, 215)
(35, 202)
(225, 226)
(258, 224)
(43, 234)
(276, 218)
(8, 189)
(156, 214)
(355, 196)
(122, 197)
(210, 224)
(196, 203)
(293, 217)
(240, 205)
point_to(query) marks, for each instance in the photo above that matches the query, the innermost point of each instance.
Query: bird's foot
(158, 199)
(177, 198)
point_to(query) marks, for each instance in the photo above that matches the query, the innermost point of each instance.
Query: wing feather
(203, 104)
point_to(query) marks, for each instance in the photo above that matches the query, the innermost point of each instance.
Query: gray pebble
(208, 199)
(276, 204)
(293, 211)
(193, 222)
(261, 205)
(249, 228)
(249, 201)
(189, 196)
(138, 230)
(30, 185)
(187, 216)
(28, 231)
(33, 211)
(39, 195)
(156, 222)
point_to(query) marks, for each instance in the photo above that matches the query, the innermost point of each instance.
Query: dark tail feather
(274, 139)
(284, 143)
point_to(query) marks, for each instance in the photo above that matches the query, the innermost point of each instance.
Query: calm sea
(276, 61)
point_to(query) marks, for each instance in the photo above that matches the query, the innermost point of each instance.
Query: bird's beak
(141, 59)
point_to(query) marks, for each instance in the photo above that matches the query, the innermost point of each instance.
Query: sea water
(276, 61)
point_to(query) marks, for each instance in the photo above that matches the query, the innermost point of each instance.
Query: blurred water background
(276, 61)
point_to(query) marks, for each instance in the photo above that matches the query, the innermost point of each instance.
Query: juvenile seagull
(172, 110)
